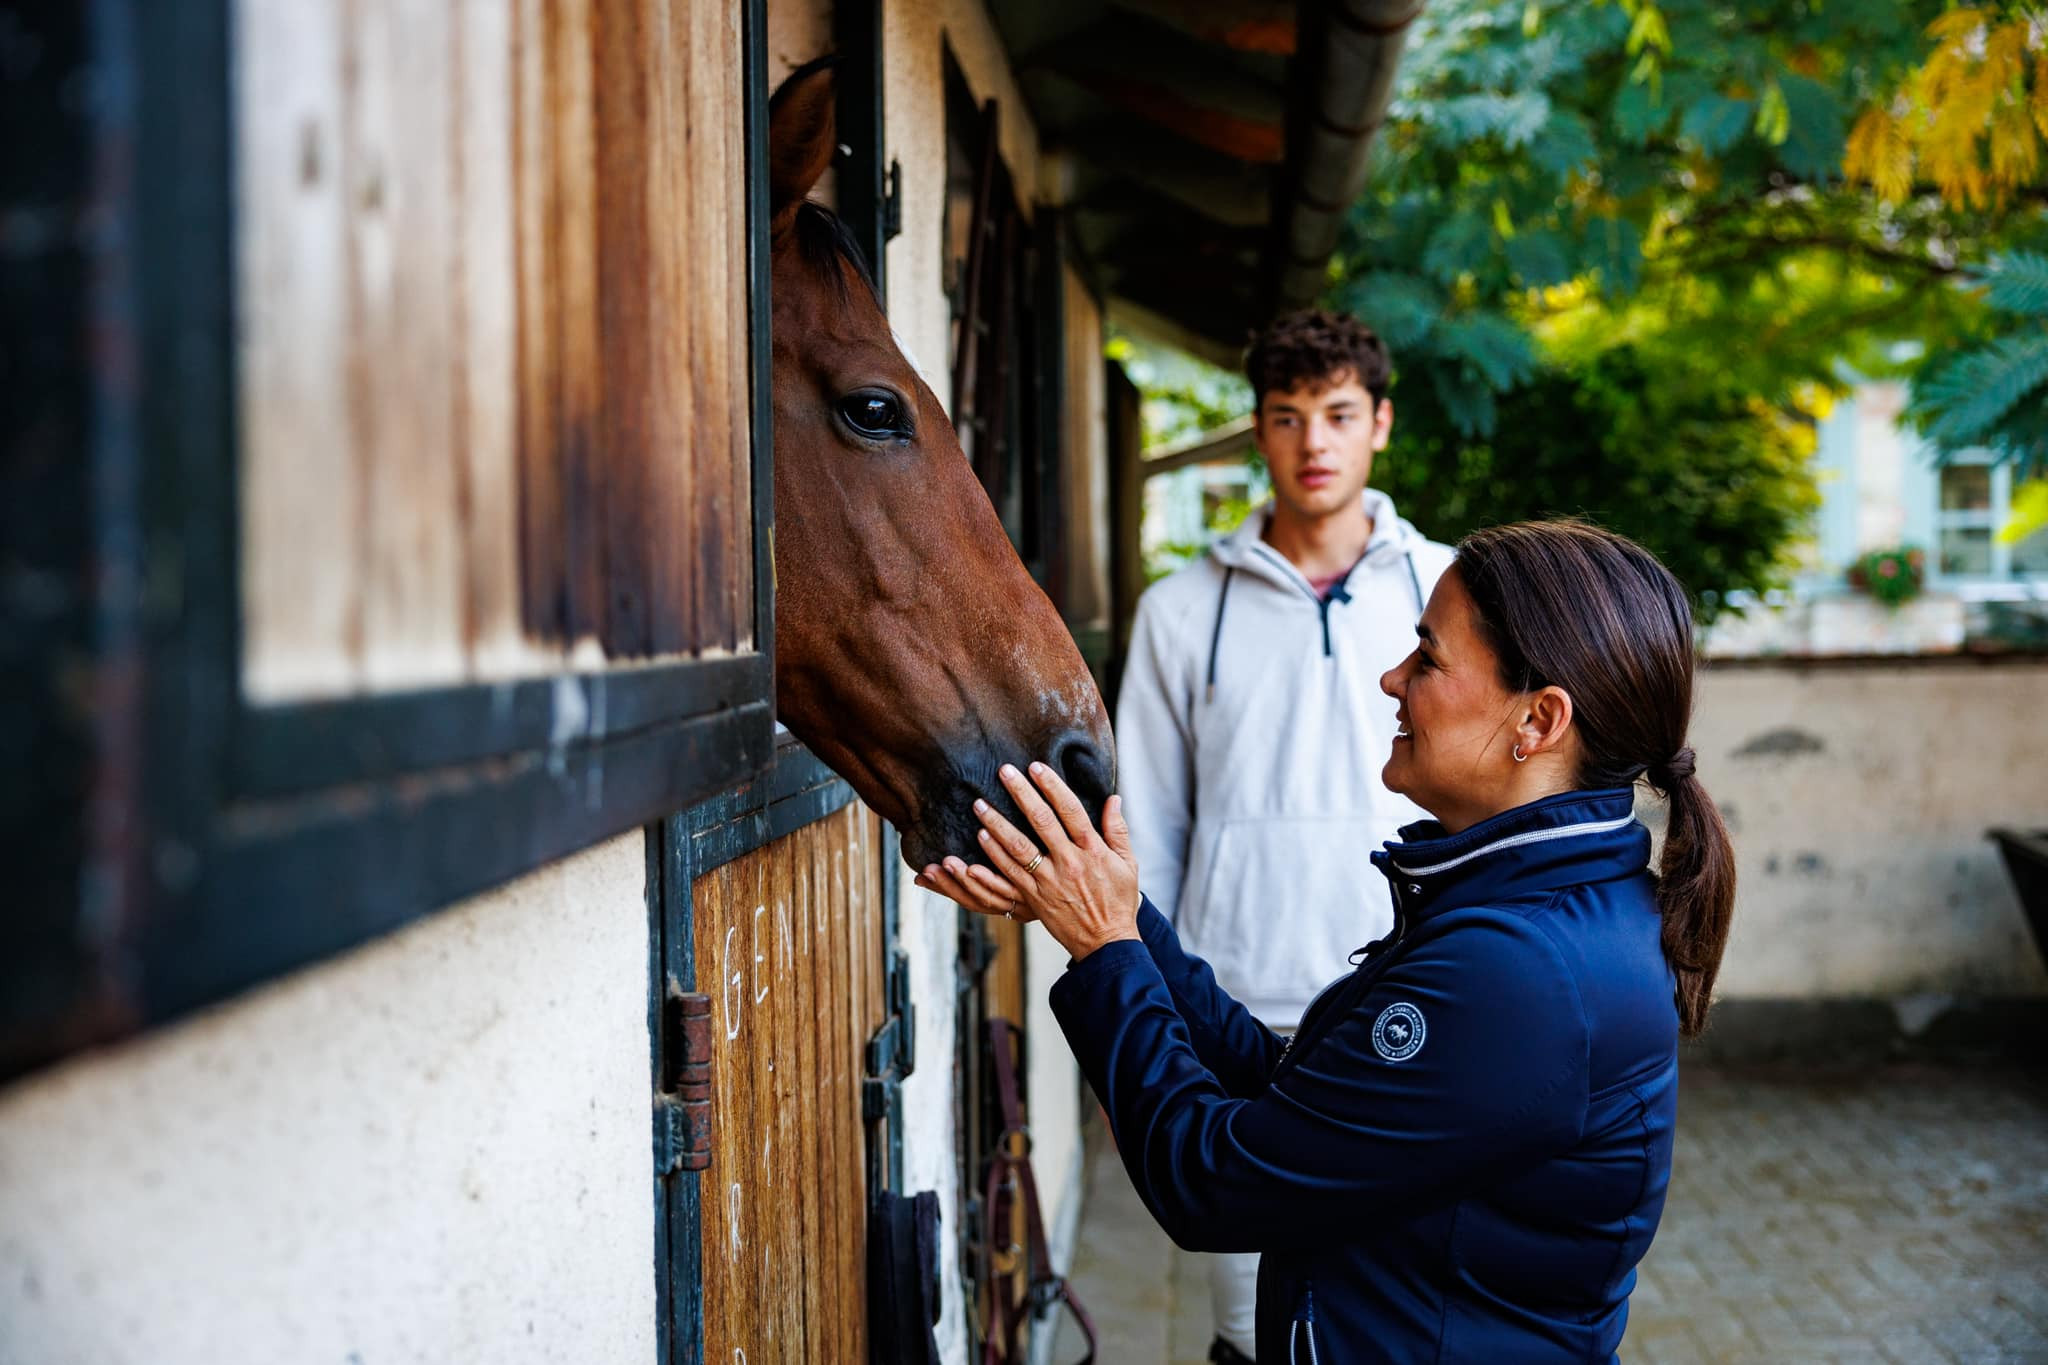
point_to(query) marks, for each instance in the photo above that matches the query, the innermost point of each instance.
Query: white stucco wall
(800, 31)
(1055, 1087)
(1857, 796)
(433, 1149)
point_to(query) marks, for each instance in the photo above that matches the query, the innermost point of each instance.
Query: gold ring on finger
(1032, 866)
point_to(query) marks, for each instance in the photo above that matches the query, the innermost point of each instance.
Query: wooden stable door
(789, 948)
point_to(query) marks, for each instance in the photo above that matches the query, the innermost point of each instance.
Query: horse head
(913, 652)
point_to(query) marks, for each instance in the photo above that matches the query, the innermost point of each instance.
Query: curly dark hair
(1316, 348)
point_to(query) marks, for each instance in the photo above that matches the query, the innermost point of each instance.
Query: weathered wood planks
(789, 947)
(494, 315)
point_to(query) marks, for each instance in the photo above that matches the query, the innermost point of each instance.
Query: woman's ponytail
(1695, 889)
(1568, 605)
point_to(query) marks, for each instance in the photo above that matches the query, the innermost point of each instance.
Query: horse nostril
(1084, 767)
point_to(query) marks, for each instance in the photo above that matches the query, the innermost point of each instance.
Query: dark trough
(2026, 859)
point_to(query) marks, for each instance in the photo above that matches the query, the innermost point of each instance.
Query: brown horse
(913, 653)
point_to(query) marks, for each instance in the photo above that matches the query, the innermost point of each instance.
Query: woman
(1463, 1152)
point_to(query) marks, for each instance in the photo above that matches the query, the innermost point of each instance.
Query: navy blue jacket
(1463, 1152)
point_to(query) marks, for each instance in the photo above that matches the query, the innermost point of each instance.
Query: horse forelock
(827, 245)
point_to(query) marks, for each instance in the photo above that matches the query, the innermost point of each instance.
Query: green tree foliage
(1559, 182)
(1994, 394)
(1181, 395)
(1972, 119)
(1546, 158)
(1701, 471)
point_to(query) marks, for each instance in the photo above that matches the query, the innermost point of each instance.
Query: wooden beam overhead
(1112, 156)
(1191, 123)
(1214, 446)
(1135, 234)
(1197, 91)
(1133, 316)
(1263, 26)
(1258, 141)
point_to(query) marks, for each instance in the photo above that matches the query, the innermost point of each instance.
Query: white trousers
(1234, 1297)
(1234, 1287)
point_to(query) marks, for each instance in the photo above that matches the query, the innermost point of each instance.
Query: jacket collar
(1246, 549)
(1559, 841)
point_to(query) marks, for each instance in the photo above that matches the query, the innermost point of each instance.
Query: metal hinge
(682, 1107)
(892, 1050)
(892, 1055)
(977, 949)
(971, 1216)
(892, 203)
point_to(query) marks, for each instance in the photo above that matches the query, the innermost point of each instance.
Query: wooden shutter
(429, 471)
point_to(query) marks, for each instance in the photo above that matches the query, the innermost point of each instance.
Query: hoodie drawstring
(1216, 633)
(1338, 594)
(1304, 1323)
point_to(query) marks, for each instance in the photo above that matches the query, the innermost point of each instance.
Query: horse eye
(875, 415)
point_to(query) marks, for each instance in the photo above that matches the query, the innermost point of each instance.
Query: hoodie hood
(1245, 548)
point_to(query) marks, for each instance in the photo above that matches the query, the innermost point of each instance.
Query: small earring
(1520, 757)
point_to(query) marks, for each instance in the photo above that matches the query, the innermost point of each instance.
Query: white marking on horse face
(1073, 704)
(911, 356)
(1069, 703)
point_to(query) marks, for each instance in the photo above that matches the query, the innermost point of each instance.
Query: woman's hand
(1084, 889)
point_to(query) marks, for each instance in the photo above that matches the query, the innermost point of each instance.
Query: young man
(1251, 728)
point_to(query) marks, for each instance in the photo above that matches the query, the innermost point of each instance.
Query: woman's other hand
(1084, 889)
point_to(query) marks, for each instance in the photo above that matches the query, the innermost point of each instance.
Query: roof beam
(1189, 88)
(1118, 155)
(1227, 442)
(1133, 316)
(1264, 26)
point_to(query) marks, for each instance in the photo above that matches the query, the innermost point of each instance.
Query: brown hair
(1315, 348)
(1566, 604)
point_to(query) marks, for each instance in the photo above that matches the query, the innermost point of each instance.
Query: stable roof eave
(1358, 50)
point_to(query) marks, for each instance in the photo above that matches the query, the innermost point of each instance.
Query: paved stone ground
(1897, 1215)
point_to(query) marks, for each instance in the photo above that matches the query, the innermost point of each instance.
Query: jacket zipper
(1288, 1046)
(1370, 951)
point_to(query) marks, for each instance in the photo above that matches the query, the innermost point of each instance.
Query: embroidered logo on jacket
(1398, 1033)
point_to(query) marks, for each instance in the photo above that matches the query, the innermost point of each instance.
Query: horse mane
(825, 240)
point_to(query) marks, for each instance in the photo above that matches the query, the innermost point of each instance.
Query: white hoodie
(1253, 803)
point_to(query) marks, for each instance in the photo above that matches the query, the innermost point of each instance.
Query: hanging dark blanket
(903, 1278)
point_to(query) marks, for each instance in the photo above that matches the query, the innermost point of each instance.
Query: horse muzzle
(946, 823)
